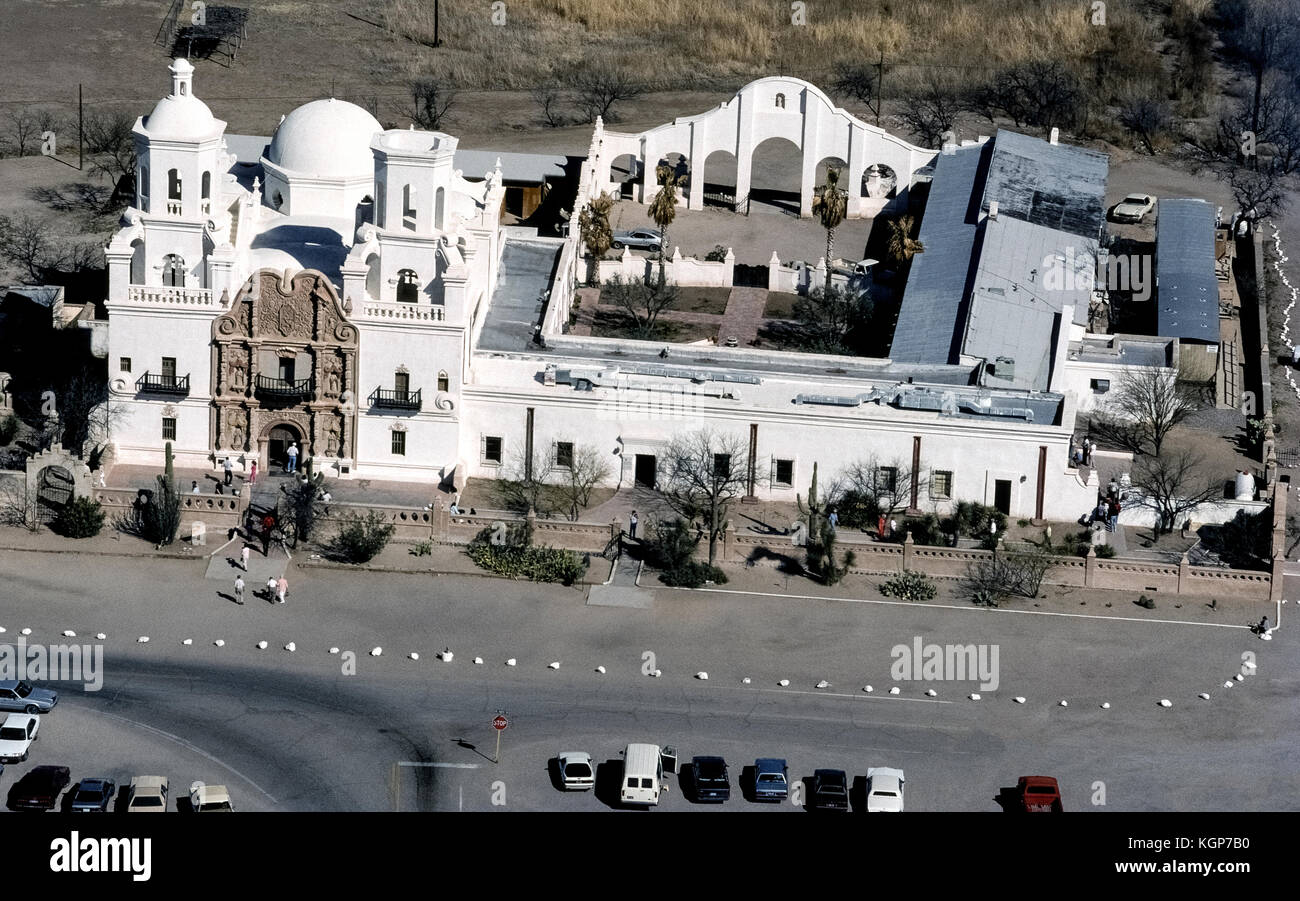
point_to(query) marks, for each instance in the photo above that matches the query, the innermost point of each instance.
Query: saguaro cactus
(821, 537)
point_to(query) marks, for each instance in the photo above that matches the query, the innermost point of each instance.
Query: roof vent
(1056, 135)
(993, 209)
(1005, 368)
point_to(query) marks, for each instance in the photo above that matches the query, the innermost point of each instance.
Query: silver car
(642, 238)
(22, 696)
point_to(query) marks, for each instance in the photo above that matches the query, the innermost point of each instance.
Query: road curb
(152, 554)
(355, 567)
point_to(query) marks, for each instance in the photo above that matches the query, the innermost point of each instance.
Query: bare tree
(1260, 34)
(828, 315)
(1016, 571)
(1259, 193)
(642, 300)
(24, 131)
(1043, 93)
(859, 81)
(17, 508)
(930, 110)
(110, 145)
(1146, 117)
(886, 483)
(523, 484)
(586, 469)
(1173, 485)
(431, 101)
(1276, 133)
(1154, 401)
(550, 98)
(598, 87)
(703, 475)
(27, 244)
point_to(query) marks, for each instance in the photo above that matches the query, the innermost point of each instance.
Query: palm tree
(593, 225)
(830, 204)
(663, 209)
(902, 246)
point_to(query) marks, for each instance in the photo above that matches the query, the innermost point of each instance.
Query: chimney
(1056, 135)
(993, 209)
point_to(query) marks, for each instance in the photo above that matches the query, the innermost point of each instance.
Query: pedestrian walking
(271, 586)
(293, 458)
(243, 557)
(194, 487)
(1112, 518)
(631, 522)
(833, 519)
(281, 588)
(880, 528)
(239, 590)
(268, 523)
(893, 527)
(230, 472)
(1088, 447)
(252, 473)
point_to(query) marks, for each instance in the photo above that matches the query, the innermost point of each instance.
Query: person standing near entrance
(293, 458)
(230, 472)
(239, 590)
(252, 473)
(631, 522)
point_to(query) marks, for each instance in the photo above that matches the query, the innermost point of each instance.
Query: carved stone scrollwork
(444, 402)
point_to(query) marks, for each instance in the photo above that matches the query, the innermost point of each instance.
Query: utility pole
(436, 41)
(81, 130)
(880, 85)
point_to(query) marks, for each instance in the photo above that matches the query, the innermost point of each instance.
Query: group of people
(276, 589)
(1108, 507)
(1081, 451)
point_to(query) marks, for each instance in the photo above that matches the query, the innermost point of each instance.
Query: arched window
(372, 276)
(443, 382)
(173, 185)
(780, 101)
(438, 205)
(380, 211)
(173, 273)
(206, 189)
(408, 286)
(144, 185)
(408, 208)
(278, 200)
(137, 262)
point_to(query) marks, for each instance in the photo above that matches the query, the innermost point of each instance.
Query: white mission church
(348, 288)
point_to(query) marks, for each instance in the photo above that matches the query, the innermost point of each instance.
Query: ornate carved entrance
(285, 355)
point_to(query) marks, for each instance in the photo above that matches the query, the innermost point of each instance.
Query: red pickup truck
(1038, 794)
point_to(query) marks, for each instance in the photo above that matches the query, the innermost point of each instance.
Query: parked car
(147, 794)
(1038, 794)
(830, 790)
(884, 790)
(93, 795)
(576, 770)
(643, 238)
(210, 799)
(17, 733)
(710, 779)
(40, 788)
(771, 779)
(21, 695)
(1133, 208)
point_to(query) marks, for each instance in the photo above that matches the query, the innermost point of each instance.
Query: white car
(147, 794)
(577, 773)
(1133, 208)
(210, 798)
(16, 736)
(884, 790)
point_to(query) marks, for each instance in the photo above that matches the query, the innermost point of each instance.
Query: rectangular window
(888, 482)
(169, 370)
(399, 443)
(492, 450)
(721, 466)
(124, 364)
(564, 454)
(1100, 386)
(442, 381)
(941, 484)
(169, 428)
(784, 473)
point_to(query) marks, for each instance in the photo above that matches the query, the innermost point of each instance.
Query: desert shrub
(362, 537)
(970, 518)
(83, 518)
(671, 549)
(1076, 544)
(925, 529)
(858, 510)
(717, 255)
(693, 574)
(421, 549)
(1017, 572)
(910, 586)
(537, 564)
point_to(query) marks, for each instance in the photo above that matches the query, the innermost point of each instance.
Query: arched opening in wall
(776, 167)
(439, 207)
(408, 286)
(625, 173)
(142, 186)
(380, 212)
(173, 271)
(680, 166)
(137, 262)
(879, 181)
(55, 490)
(365, 211)
(205, 187)
(373, 287)
(780, 101)
(833, 162)
(443, 382)
(173, 184)
(277, 200)
(720, 179)
(278, 440)
(408, 208)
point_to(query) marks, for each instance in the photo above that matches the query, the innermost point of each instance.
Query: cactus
(821, 537)
(170, 469)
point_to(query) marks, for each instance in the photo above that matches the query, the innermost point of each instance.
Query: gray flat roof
(1187, 292)
(515, 306)
(1056, 185)
(937, 283)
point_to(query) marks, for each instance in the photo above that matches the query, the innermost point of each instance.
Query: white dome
(326, 137)
(180, 114)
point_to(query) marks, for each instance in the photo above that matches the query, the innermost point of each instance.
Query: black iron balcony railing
(149, 383)
(395, 400)
(284, 389)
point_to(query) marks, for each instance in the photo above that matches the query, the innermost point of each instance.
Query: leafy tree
(830, 204)
(159, 517)
(362, 538)
(901, 246)
(670, 548)
(302, 500)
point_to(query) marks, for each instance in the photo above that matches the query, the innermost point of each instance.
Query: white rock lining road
(447, 656)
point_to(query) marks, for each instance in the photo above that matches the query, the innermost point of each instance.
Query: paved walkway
(267, 487)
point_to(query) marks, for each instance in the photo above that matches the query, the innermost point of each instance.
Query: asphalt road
(294, 731)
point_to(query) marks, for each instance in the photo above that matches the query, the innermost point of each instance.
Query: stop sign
(500, 723)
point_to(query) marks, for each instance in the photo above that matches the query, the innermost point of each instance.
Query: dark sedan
(710, 780)
(93, 796)
(830, 790)
(40, 788)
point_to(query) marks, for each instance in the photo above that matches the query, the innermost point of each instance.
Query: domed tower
(178, 148)
(319, 161)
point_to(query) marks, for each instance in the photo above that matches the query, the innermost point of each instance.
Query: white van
(643, 775)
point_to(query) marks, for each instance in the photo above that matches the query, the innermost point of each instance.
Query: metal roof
(936, 285)
(1187, 292)
(1056, 185)
(515, 309)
